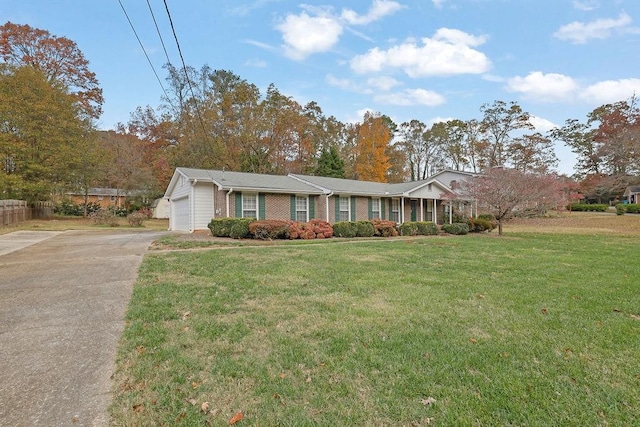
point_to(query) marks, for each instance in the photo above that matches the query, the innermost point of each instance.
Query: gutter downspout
(228, 194)
(192, 206)
(327, 205)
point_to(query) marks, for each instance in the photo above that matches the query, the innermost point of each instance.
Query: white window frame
(341, 211)
(395, 210)
(376, 211)
(302, 212)
(249, 204)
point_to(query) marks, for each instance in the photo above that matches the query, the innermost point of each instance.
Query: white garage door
(181, 214)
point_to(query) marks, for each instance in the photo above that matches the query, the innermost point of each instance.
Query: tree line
(214, 119)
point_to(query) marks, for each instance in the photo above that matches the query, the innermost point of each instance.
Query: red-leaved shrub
(384, 228)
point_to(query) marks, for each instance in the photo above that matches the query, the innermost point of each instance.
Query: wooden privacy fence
(14, 211)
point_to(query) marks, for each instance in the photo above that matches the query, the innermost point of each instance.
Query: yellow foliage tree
(372, 141)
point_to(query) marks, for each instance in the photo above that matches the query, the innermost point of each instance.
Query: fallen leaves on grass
(237, 417)
(473, 340)
(544, 311)
(139, 408)
(635, 316)
(428, 401)
(204, 407)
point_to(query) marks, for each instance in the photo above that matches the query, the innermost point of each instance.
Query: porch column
(435, 211)
(421, 209)
(401, 210)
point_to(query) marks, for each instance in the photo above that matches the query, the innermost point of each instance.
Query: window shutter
(370, 209)
(262, 214)
(337, 200)
(293, 207)
(383, 204)
(353, 208)
(312, 207)
(238, 205)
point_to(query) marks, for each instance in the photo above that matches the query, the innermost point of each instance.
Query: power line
(143, 49)
(184, 68)
(159, 35)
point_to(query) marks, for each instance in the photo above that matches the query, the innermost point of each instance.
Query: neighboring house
(105, 197)
(160, 208)
(632, 194)
(196, 196)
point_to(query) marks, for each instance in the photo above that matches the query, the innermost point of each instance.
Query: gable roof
(239, 181)
(303, 184)
(632, 189)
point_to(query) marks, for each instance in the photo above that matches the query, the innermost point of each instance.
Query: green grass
(527, 329)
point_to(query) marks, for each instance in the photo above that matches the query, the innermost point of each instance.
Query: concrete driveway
(63, 297)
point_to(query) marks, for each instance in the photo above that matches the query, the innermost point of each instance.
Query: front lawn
(528, 329)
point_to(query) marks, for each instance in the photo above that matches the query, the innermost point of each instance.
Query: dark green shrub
(364, 229)
(270, 229)
(632, 208)
(240, 228)
(458, 228)
(384, 228)
(588, 207)
(478, 225)
(408, 229)
(68, 208)
(222, 227)
(345, 229)
(427, 228)
(620, 209)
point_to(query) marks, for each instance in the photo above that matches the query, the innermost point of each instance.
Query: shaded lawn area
(528, 329)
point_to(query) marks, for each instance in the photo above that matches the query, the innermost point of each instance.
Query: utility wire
(143, 49)
(158, 30)
(184, 67)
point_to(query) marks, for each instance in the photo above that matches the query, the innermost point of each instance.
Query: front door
(414, 206)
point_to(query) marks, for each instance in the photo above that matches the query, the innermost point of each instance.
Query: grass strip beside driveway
(522, 330)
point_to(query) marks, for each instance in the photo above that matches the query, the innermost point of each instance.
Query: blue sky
(409, 59)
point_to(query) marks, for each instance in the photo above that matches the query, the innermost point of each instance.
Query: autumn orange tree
(57, 58)
(372, 141)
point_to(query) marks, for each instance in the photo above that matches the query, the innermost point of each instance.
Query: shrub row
(622, 208)
(588, 207)
(239, 228)
(458, 228)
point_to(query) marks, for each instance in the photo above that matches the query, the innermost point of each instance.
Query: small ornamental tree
(506, 193)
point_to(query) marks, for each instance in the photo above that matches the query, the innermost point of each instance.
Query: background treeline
(210, 118)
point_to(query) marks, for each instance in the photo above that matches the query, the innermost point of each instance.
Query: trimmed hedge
(427, 228)
(224, 227)
(364, 229)
(314, 229)
(458, 228)
(588, 207)
(622, 208)
(345, 229)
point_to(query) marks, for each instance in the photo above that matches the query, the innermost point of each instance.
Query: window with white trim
(302, 208)
(375, 209)
(345, 210)
(395, 210)
(249, 205)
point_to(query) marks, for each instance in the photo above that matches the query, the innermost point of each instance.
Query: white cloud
(448, 52)
(610, 91)
(318, 29)
(586, 5)
(580, 32)
(304, 35)
(379, 9)
(438, 3)
(542, 125)
(409, 97)
(346, 84)
(543, 87)
(384, 83)
(258, 63)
